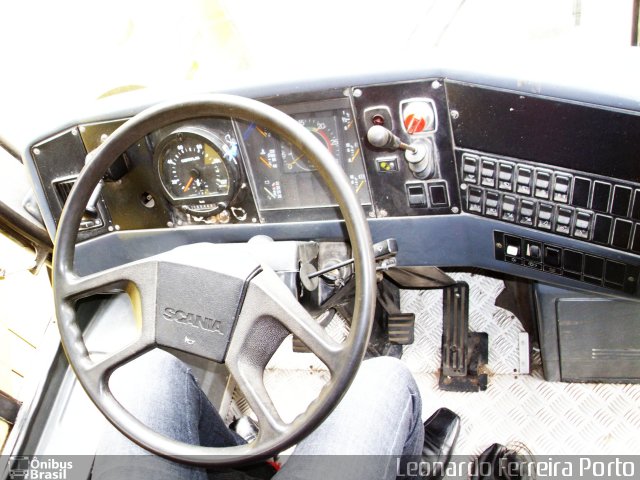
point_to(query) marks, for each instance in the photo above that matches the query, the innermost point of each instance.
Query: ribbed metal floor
(549, 418)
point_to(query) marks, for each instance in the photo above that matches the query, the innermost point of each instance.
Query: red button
(413, 123)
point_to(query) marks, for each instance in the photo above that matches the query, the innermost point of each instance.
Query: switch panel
(566, 262)
(552, 200)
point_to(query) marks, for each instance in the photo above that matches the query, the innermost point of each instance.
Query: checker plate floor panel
(549, 418)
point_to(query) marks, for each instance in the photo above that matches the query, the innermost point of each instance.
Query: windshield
(61, 54)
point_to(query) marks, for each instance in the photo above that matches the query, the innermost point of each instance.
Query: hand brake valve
(419, 155)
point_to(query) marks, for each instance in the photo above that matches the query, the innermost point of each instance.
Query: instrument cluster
(200, 165)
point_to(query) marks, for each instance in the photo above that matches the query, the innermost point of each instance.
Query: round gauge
(197, 170)
(294, 161)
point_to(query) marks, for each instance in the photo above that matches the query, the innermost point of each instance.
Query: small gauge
(352, 150)
(197, 170)
(272, 190)
(358, 181)
(267, 155)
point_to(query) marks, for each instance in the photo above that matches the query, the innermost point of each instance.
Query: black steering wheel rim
(63, 272)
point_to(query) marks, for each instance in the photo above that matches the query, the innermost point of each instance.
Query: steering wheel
(240, 311)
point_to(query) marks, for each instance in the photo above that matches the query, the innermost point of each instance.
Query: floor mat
(549, 418)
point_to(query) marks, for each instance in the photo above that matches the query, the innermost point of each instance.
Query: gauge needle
(269, 192)
(360, 186)
(356, 153)
(262, 132)
(186, 187)
(264, 160)
(296, 160)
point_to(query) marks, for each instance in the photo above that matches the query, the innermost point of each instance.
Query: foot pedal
(464, 353)
(400, 327)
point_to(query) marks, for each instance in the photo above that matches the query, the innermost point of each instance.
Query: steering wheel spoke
(100, 369)
(117, 279)
(249, 378)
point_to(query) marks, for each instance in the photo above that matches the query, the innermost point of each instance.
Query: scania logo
(197, 321)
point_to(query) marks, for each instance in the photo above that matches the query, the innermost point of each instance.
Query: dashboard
(532, 185)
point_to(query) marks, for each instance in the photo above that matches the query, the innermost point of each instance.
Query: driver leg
(161, 392)
(372, 433)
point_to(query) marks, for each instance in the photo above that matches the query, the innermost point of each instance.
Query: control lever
(382, 137)
(384, 251)
(419, 155)
(92, 204)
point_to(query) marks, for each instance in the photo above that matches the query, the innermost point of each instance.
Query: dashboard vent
(63, 189)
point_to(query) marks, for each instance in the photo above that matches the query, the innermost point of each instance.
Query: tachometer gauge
(198, 170)
(323, 128)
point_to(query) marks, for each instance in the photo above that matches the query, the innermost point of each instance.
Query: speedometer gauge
(197, 170)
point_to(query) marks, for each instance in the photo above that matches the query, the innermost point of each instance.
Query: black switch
(542, 184)
(600, 198)
(505, 177)
(474, 200)
(593, 266)
(488, 173)
(635, 211)
(438, 194)
(533, 250)
(582, 225)
(614, 272)
(509, 208)
(552, 257)
(416, 195)
(545, 213)
(602, 229)
(513, 246)
(523, 181)
(561, 189)
(526, 213)
(572, 261)
(621, 200)
(470, 168)
(491, 204)
(581, 188)
(563, 220)
(621, 233)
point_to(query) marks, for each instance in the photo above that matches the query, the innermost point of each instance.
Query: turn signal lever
(419, 155)
(384, 251)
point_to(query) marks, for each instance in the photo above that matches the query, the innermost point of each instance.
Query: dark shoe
(440, 434)
(501, 463)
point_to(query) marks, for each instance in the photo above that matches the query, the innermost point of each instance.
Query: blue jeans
(374, 430)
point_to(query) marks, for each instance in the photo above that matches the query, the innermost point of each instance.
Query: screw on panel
(169, 224)
(74, 132)
(103, 137)
(631, 279)
(498, 245)
(36, 151)
(383, 213)
(455, 209)
(463, 186)
(455, 114)
(110, 228)
(372, 214)
(435, 84)
(357, 92)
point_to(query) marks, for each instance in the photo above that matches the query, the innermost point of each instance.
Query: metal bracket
(464, 353)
